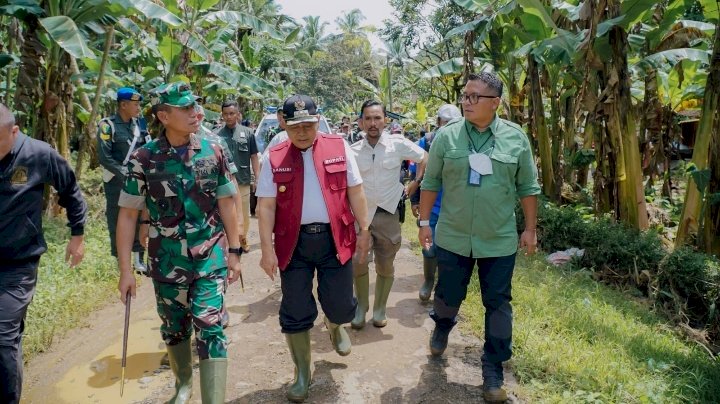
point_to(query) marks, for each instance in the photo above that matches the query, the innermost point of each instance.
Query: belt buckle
(314, 228)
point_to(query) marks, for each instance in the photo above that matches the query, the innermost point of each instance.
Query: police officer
(446, 113)
(379, 157)
(118, 136)
(26, 165)
(241, 141)
(184, 182)
(309, 196)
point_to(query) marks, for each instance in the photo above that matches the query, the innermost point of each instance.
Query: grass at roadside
(64, 297)
(576, 340)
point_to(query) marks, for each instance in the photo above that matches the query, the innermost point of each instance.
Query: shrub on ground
(685, 282)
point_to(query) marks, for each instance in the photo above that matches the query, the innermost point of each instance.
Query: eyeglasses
(474, 98)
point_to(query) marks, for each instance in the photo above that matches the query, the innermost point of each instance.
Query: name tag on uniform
(282, 170)
(333, 160)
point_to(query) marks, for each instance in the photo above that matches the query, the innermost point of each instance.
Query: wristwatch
(366, 228)
(424, 223)
(237, 251)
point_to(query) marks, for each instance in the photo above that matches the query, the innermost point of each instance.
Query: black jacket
(23, 174)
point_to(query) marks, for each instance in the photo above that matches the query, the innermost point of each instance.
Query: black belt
(314, 228)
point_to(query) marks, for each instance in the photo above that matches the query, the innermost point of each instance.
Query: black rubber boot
(439, 340)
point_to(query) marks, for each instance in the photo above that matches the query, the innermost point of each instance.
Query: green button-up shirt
(479, 221)
(180, 187)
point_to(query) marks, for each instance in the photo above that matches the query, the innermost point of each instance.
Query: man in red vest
(309, 196)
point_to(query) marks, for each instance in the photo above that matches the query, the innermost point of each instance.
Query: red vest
(286, 163)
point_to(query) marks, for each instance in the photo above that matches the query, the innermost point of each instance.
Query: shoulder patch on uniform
(105, 131)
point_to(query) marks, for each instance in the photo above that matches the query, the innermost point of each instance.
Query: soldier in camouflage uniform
(117, 137)
(184, 181)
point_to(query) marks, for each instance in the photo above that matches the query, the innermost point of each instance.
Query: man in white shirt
(379, 157)
(310, 195)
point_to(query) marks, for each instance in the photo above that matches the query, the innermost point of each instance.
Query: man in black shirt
(241, 142)
(26, 165)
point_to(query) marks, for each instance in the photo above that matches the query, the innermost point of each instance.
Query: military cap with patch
(128, 94)
(178, 94)
(299, 108)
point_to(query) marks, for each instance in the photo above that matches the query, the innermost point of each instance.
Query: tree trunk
(621, 125)
(469, 55)
(87, 146)
(539, 126)
(703, 140)
(28, 87)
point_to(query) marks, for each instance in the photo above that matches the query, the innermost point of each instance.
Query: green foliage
(577, 341)
(689, 282)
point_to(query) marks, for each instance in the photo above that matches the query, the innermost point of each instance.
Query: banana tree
(708, 136)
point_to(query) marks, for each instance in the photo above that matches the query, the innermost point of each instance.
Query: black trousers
(17, 286)
(454, 272)
(298, 309)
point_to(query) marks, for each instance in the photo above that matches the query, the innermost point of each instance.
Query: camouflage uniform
(180, 190)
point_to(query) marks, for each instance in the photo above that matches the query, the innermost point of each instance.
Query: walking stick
(242, 284)
(125, 340)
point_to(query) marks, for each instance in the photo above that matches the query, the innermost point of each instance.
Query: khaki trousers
(385, 237)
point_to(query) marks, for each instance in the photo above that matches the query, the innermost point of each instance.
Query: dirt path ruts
(387, 365)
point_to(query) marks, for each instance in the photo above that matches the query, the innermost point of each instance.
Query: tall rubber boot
(383, 284)
(429, 268)
(213, 377)
(339, 337)
(362, 292)
(180, 357)
(299, 345)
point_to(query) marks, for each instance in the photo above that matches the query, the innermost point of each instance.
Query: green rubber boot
(429, 267)
(339, 337)
(383, 284)
(180, 357)
(213, 377)
(299, 345)
(362, 292)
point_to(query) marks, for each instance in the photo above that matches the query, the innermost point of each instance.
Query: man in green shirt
(483, 164)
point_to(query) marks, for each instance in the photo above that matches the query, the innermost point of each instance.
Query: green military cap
(176, 94)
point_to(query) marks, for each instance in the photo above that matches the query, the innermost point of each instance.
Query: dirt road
(387, 365)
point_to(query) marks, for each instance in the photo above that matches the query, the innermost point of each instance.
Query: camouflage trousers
(197, 305)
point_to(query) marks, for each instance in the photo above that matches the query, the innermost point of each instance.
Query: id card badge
(148, 138)
(474, 178)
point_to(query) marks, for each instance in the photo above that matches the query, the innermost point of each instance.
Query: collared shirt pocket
(456, 163)
(241, 139)
(161, 185)
(505, 165)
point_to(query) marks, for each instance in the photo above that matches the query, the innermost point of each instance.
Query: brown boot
(494, 395)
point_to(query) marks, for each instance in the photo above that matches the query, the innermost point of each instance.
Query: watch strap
(238, 251)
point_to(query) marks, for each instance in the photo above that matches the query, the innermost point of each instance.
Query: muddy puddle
(98, 381)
